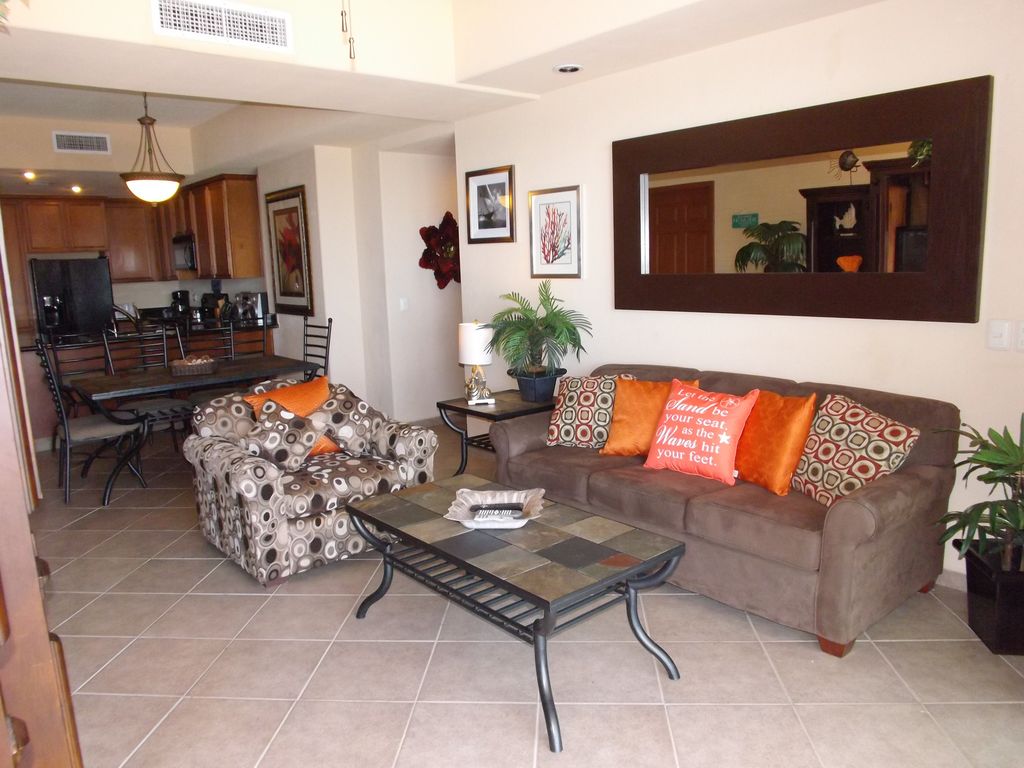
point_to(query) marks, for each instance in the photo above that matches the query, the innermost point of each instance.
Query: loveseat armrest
(886, 503)
(410, 446)
(520, 435)
(221, 458)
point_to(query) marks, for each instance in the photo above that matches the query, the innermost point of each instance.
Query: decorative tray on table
(495, 509)
(193, 365)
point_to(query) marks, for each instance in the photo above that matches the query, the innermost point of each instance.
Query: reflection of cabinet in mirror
(901, 191)
(840, 222)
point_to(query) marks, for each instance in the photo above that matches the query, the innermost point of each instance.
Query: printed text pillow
(699, 431)
(583, 411)
(849, 446)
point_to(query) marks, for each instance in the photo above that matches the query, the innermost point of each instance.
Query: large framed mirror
(870, 208)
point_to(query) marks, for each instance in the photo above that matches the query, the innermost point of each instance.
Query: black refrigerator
(73, 296)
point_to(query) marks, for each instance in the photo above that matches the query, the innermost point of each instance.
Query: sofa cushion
(583, 411)
(301, 399)
(351, 421)
(284, 437)
(773, 440)
(330, 481)
(699, 431)
(849, 446)
(652, 499)
(563, 471)
(638, 408)
(748, 518)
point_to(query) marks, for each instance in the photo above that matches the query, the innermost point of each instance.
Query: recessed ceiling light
(76, 189)
(30, 175)
(567, 69)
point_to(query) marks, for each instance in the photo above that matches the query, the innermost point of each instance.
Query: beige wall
(416, 191)
(565, 138)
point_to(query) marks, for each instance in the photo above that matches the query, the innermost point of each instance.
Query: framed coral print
(555, 248)
(289, 251)
(490, 196)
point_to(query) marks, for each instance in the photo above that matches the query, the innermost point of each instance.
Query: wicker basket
(182, 368)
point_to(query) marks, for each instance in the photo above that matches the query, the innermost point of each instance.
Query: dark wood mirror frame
(954, 115)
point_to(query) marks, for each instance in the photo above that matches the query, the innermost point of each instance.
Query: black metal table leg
(652, 580)
(134, 450)
(463, 436)
(547, 699)
(385, 582)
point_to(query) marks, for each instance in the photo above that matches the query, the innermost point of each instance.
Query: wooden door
(44, 220)
(132, 250)
(33, 681)
(86, 225)
(682, 229)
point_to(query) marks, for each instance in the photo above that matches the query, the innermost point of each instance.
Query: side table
(508, 404)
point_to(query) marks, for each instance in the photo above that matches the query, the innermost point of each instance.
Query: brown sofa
(829, 571)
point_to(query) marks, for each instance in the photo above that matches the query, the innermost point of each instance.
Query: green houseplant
(533, 340)
(779, 247)
(992, 540)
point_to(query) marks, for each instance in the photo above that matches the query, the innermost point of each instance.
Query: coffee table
(533, 582)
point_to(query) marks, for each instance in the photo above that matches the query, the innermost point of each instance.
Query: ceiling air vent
(80, 143)
(224, 23)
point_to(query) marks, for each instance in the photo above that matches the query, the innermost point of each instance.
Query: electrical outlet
(999, 334)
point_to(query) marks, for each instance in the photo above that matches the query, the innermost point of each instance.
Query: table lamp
(473, 341)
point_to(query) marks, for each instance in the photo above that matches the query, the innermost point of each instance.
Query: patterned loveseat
(276, 522)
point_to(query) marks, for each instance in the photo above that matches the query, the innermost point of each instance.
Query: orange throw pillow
(301, 399)
(699, 431)
(638, 407)
(773, 440)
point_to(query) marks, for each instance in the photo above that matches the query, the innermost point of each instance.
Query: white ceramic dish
(531, 499)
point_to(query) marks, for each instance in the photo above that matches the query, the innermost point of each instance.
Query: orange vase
(850, 263)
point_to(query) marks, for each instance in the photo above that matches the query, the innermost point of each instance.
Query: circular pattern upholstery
(583, 411)
(849, 446)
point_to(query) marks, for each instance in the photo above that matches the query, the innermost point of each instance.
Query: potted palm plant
(992, 540)
(534, 339)
(778, 247)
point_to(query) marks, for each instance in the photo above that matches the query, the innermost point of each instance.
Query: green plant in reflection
(779, 247)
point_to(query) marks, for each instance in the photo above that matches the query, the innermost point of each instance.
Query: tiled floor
(177, 658)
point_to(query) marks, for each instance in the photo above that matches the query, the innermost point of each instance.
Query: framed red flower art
(442, 252)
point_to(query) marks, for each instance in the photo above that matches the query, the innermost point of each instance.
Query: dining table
(103, 392)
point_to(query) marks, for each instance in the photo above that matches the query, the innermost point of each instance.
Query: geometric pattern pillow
(583, 411)
(351, 421)
(284, 437)
(849, 445)
(301, 399)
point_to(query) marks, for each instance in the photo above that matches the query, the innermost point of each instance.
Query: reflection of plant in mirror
(777, 247)
(919, 151)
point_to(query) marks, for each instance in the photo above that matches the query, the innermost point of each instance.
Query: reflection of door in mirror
(682, 236)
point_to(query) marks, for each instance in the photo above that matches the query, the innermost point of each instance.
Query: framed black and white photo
(489, 205)
(555, 232)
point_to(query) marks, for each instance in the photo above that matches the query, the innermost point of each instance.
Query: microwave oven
(184, 249)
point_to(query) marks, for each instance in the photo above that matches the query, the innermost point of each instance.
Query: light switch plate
(999, 334)
(1020, 336)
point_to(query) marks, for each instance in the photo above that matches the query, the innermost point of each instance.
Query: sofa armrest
(520, 435)
(216, 458)
(884, 504)
(410, 446)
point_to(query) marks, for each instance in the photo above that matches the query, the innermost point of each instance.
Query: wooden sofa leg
(833, 648)
(927, 587)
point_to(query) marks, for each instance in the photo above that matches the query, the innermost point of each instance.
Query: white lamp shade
(473, 341)
(153, 189)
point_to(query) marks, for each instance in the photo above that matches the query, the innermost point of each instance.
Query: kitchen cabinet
(226, 220)
(65, 225)
(132, 250)
(17, 266)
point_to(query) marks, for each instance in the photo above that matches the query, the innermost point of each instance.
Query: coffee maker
(179, 303)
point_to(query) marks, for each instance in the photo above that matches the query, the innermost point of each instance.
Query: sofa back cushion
(936, 445)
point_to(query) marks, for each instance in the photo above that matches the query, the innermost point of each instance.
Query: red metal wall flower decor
(442, 252)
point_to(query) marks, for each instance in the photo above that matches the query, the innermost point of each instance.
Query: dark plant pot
(537, 388)
(995, 602)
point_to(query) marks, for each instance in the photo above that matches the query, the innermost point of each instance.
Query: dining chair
(146, 350)
(218, 343)
(75, 355)
(316, 346)
(251, 344)
(94, 429)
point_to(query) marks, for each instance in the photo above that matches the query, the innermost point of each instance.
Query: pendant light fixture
(147, 179)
